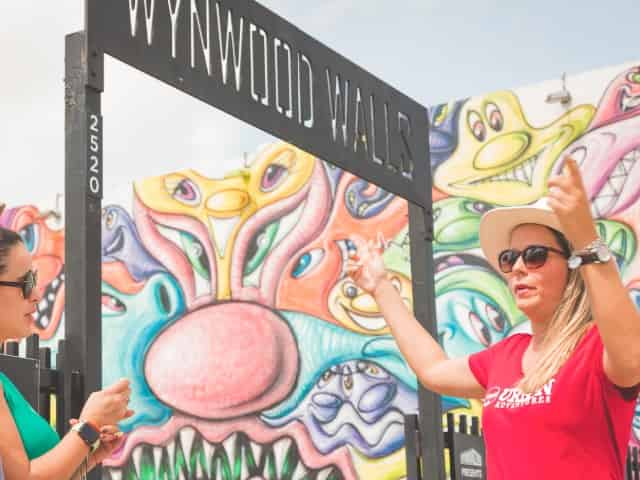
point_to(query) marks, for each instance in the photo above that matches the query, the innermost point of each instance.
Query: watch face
(89, 434)
(603, 253)
(574, 262)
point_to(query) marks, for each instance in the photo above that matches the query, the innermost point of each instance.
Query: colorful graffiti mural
(252, 355)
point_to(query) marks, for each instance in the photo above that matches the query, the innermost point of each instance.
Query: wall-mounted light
(561, 96)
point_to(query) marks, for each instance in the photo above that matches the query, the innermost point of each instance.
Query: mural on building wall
(252, 355)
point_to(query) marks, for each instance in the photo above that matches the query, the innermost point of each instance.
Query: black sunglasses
(534, 256)
(27, 284)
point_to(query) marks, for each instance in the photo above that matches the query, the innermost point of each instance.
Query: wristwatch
(596, 252)
(88, 434)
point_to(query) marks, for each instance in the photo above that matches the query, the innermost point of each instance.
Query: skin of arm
(425, 356)
(614, 313)
(60, 462)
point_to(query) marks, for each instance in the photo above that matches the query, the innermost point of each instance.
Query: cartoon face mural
(232, 237)
(474, 306)
(609, 155)
(120, 242)
(443, 131)
(500, 157)
(360, 404)
(130, 322)
(218, 367)
(621, 99)
(456, 222)
(46, 246)
(315, 271)
(356, 309)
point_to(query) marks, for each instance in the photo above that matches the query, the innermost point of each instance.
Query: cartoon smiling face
(621, 100)
(358, 311)
(501, 158)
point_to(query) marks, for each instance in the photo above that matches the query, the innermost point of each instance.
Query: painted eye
(472, 324)
(476, 125)
(350, 290)
(260, 246)
(395, 281)
(440, 114)
(111, 305)
(110, 218)
(30, 236)
(347, 382)
(634, 293)
(477, 207)
(480, 329)
(494, 116)
(436, 213)
(634, 76)
(187, 192)
(273, 176)
(494, 316)
(326, 377)
(307, 262)
(197, 255)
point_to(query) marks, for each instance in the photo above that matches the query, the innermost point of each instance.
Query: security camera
(562, 96)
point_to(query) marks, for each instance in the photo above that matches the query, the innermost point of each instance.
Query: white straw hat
(496, 226)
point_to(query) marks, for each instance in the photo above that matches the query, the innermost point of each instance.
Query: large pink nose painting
(240, 358)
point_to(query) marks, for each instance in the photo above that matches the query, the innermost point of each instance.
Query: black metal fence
(464, 450)
(39, 383)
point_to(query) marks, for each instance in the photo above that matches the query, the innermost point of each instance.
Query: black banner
(242, 58)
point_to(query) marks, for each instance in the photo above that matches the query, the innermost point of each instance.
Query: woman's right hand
(367, 268)
(109, 405)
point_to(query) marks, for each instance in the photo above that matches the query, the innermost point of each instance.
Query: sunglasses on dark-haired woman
(27, 284)
(533, 256)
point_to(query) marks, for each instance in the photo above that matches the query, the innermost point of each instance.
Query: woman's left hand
(110, 439)
(569, 201)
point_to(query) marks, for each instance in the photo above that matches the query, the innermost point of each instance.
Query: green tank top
(37, 435)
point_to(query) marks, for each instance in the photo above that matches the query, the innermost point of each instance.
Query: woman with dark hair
(29, 448)
(558, 403)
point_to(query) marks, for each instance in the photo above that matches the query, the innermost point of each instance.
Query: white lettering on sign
(280, 76)
(95, 155)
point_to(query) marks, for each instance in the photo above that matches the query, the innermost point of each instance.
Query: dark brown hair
(8, 239)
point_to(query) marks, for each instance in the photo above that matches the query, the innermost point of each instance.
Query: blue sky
(432, 50)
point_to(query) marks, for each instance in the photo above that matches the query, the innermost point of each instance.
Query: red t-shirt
(576, 427)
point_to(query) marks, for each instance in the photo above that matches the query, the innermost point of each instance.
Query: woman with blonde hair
(558, 403)
(29, 448)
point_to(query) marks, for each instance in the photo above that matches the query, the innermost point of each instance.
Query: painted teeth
(187, 435)
(368, 323)
(522, 173)
(608, 195)
(197, 458)
(628, 102)
(137, 459)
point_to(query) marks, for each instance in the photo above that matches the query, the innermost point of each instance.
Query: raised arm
(425, 356)
(615, 314)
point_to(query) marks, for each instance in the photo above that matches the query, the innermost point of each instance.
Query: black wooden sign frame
(240, 57)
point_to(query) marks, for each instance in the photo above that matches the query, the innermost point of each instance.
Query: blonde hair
(570, 321)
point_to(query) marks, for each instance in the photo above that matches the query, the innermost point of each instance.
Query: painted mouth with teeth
(628, 102)
(207, 450)
(50, 308)
(521, 173)
(609, 159)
